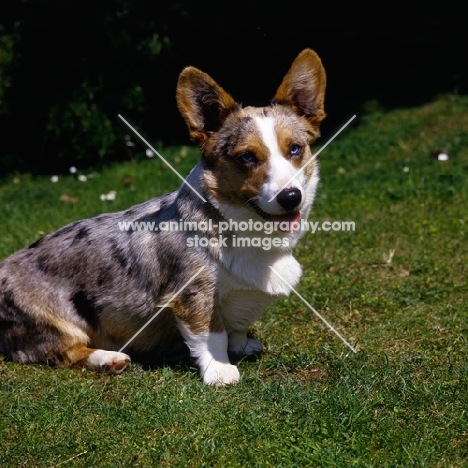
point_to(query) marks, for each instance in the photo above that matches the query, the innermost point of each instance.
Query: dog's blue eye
(247, 158)
(295, 150)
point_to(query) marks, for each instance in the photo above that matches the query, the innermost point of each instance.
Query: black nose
(289, 198)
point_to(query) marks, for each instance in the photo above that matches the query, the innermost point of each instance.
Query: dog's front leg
(210, 351)
(241, 345)
(203, 330)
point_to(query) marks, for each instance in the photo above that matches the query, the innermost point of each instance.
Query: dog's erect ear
(303, 87)
(203, 103)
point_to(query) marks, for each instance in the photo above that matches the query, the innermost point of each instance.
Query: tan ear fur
(203, 103)
(303, 87)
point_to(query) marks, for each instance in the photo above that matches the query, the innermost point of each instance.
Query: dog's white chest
(246, 285)
(249, 269)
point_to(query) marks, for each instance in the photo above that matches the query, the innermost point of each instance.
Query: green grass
(395, 288)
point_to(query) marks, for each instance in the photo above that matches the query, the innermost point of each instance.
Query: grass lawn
(396, 288)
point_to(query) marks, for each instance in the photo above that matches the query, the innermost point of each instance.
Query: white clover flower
(54, 179)
(149, 153)
(111, 195)
(73, 170)
(82, 178)
(406, 169)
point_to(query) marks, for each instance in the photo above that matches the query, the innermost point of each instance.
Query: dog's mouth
(286, 222)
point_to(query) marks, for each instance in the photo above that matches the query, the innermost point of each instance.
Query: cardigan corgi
(83, 294)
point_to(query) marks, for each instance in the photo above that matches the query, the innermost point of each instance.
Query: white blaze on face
(281, 170)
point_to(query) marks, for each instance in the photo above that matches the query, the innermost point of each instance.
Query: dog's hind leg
(36, 328)
(78, 355)
(67, 351)
(52, 340)
(99, 360)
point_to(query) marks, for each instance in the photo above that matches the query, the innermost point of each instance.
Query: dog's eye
(247, 158)
(295, 150)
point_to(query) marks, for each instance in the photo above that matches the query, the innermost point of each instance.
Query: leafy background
(68, 67)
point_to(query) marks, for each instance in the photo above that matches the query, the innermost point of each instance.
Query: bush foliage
(68, 68)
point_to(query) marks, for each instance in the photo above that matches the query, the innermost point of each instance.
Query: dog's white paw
(220, 374)
(241, 345)
(109, 362)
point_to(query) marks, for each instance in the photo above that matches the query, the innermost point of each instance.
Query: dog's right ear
(203, 103)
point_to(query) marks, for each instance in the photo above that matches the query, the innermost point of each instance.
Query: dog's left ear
(303, 87)
(203, 103)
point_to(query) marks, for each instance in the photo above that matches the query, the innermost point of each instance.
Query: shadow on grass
(180, 359)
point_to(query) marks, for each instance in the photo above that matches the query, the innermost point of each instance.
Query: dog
(81, 295)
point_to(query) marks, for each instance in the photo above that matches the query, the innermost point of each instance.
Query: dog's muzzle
(289, 199)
